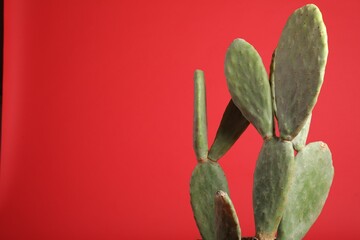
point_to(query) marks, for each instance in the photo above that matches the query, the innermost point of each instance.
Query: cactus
(226, 221)
(232, 125)
(272, 177)
(313, 176)
(299, 141)
(300, 61)
(289, 189)
(249, 86)
(207, 177)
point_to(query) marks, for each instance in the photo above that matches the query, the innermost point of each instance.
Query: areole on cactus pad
(289, 190)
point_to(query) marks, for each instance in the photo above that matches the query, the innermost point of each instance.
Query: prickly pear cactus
(208, 177)
(289, 190)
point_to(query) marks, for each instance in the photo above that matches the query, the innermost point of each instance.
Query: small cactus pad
(299, 141)
(200, 121)
(232, 125)
(272, 84)
(300, 59)
(273, 174)
(314, 173)
(207, 178)
(226, 222)
(249, 85)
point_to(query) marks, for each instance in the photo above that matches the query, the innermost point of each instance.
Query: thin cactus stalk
(289, 189)
(200, 119)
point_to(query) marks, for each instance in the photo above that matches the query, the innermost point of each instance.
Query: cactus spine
(289, 191)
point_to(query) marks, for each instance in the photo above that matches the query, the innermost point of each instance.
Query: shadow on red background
(97, 114)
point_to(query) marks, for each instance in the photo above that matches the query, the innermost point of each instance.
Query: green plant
(289, 190)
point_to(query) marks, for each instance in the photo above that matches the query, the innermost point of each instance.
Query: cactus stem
(265, 237)
(268, 138)
(211, 160)
(200, 120)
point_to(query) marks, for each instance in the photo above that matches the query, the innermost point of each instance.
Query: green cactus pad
(200, 139)
(272, 84)
(273, 175)
(206, 180)
(249, 85)
(232, 125)
(299, 141)
(226, 222)
(314, 173)
(300, 58)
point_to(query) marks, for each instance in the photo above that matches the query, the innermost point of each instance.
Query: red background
(98, 105)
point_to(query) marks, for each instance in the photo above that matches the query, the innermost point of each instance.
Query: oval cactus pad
(207, 178)
(272, 179)
(300, 59)
(249, 85)
(313, 176)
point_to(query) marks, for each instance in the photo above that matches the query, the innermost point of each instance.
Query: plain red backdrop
(98, 105)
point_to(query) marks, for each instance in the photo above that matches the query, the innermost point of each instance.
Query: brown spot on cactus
(226, 222)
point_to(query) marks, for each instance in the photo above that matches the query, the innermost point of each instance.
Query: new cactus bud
(299, 141)
(206, 180)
